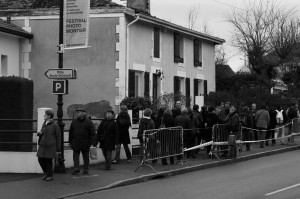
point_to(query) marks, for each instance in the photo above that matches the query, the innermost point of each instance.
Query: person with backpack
(280, 116)
(246, 121)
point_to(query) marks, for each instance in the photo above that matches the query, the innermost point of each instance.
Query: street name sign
(63, 73)
(60, 87)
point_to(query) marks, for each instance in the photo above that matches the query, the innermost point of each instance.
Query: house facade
(129, 54)
(14, 49)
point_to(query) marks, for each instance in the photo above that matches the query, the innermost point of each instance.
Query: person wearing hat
(81, 137)
(49, 144)
(108, 137)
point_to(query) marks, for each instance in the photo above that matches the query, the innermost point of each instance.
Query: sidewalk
(66, 185)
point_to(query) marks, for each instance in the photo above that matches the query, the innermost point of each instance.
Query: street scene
(149, 98)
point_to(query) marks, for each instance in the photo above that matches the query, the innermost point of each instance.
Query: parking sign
(60, 87)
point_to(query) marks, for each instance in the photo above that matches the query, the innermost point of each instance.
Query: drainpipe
(127, 54)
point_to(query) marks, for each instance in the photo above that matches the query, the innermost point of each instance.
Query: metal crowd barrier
(162, 143)
(220, 134)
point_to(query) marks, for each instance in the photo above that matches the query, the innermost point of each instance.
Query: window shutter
(156, 42)
(176, 48)
(187, 92)
(205, 87)
(131, 83)
(176, 88)
(196, 89)
(146, 84)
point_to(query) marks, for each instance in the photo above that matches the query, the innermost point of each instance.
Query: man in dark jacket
(81, 136)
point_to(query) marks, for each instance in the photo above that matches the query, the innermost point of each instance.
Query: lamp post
(60, 165)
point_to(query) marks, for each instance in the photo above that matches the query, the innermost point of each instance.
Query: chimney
(139, 5)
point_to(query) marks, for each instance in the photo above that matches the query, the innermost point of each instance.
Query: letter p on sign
(60, 87)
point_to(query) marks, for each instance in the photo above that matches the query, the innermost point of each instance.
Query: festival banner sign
(76, 23)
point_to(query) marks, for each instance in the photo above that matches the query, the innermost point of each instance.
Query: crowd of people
(258, 124)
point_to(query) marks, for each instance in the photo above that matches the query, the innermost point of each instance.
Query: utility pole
(60, 166)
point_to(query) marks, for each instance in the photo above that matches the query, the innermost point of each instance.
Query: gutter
(127, 53)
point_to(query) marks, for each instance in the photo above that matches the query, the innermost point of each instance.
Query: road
(273, 177)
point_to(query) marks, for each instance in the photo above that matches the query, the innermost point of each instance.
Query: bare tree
(221, 57)
(192, 17)
(263, 28)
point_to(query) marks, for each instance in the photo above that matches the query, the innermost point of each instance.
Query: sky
(212, 13)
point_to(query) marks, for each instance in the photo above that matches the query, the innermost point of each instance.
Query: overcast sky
(211, 12)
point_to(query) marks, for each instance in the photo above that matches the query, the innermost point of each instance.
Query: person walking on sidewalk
(123, 121)
(262, 119)
(49, 144)
(108, 136)
(81, 136)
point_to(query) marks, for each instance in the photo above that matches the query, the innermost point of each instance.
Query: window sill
(199, 68)
(156, 59)
(181, 65)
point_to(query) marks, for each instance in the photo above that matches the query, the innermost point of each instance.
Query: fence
(161, 143)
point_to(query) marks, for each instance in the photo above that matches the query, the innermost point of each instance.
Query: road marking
(284, 189)
(85, 176)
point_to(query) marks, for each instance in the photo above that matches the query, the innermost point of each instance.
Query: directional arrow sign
(65, 73)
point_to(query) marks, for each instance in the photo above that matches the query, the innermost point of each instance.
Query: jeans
(47, 166)
(86, 159)
(261, 136)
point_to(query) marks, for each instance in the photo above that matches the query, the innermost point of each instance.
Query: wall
(10, 47)
(96, 65)
(141, 47)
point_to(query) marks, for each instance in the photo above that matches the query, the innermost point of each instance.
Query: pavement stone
(66, 185)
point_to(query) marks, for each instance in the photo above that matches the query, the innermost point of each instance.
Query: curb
(148, 177)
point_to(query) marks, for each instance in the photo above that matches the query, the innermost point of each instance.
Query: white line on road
(86, 176)
(284, 189)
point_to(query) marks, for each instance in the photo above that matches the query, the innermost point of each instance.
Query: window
(197, 53)
(178, 87)
(138, 87)
(178, 48)
(3, 65)
(156, 38)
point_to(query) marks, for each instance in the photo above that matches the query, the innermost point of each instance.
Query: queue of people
(259, 124)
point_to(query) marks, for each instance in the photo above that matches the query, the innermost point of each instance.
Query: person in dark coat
(246, 121)
(177, 109)
(184, 121)
(272, 125)
(108, 137)
(169, 122)
(211, 120)
(124, 122)
(233, 122)
(192, 133)
(49, 144)
(146, 123)
(81, 137)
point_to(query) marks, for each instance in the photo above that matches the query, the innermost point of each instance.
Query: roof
(114, 8)
(224, 71)
(10, 28)
(178, 28)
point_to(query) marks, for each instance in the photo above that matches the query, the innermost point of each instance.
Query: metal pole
(60, 166)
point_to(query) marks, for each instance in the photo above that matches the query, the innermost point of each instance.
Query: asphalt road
(273, 177)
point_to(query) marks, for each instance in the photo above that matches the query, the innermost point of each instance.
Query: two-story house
(14, 49)
(130, 54)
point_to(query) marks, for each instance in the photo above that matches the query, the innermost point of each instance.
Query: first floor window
(3, 71)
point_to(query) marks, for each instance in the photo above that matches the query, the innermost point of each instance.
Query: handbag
(93, 153)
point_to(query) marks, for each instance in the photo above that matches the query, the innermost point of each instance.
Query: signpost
(64, 73)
